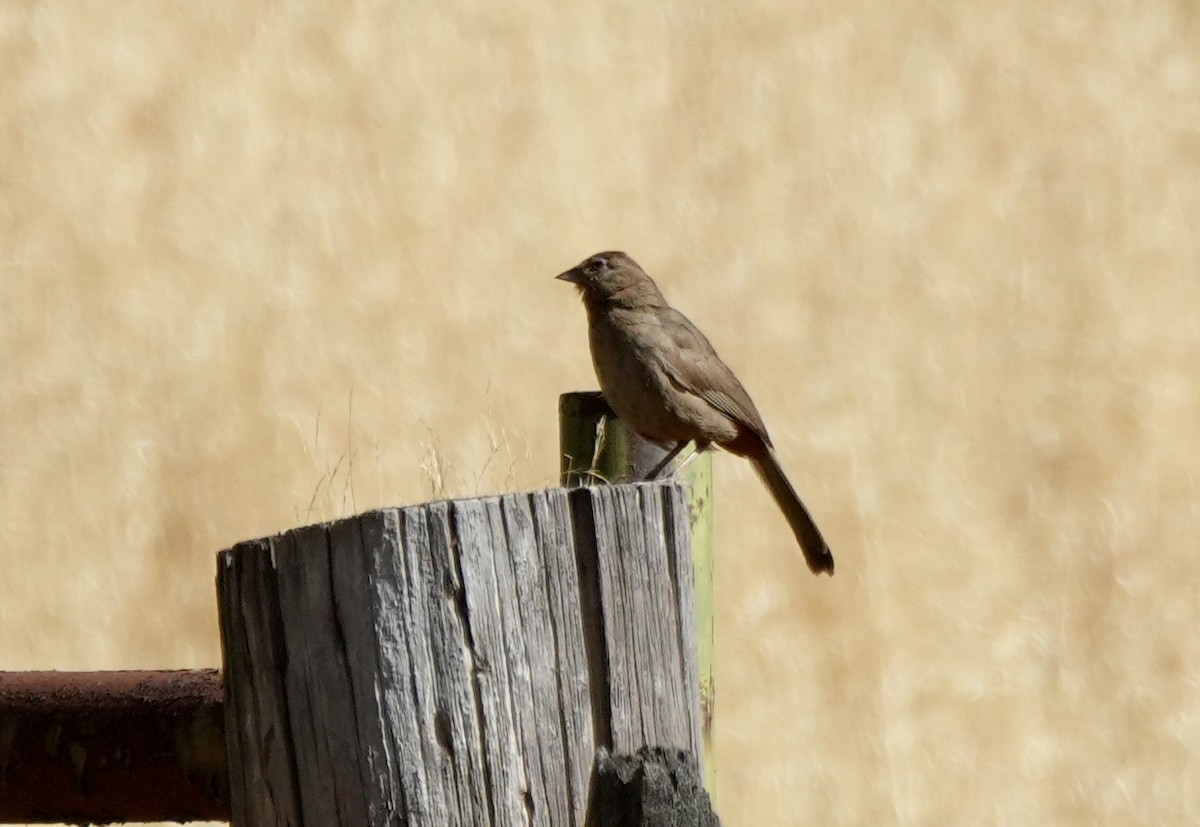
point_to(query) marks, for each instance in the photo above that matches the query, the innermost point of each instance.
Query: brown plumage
(663, 379)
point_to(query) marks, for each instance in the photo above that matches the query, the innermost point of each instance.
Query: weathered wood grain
(262, 772)
(457, 663)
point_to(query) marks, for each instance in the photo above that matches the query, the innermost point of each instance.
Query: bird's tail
(816, 550)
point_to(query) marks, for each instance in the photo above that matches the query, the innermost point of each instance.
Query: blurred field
(264, 264)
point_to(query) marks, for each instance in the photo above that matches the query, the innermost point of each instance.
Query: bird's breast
(629, 351)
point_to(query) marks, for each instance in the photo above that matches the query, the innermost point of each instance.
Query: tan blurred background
(265, 264)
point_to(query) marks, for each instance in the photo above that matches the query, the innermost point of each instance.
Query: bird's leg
(657, 471)
(698, 448)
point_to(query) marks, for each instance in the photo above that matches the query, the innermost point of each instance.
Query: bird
(664, 379)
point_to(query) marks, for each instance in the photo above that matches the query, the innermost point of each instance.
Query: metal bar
(102, 747)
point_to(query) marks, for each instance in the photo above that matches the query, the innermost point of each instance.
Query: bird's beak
(573, 275)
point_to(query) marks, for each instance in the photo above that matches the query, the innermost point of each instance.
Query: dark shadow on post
(588, 573)
(657, 787)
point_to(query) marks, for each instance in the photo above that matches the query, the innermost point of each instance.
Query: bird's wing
(694, 366)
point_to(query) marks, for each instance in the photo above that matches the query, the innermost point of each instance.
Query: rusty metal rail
(102, 747)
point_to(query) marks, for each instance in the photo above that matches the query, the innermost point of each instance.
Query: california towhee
(663, 379)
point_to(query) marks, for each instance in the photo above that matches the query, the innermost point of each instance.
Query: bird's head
(606, 275)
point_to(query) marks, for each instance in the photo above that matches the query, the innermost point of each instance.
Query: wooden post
(457, 663)
(596, 447)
